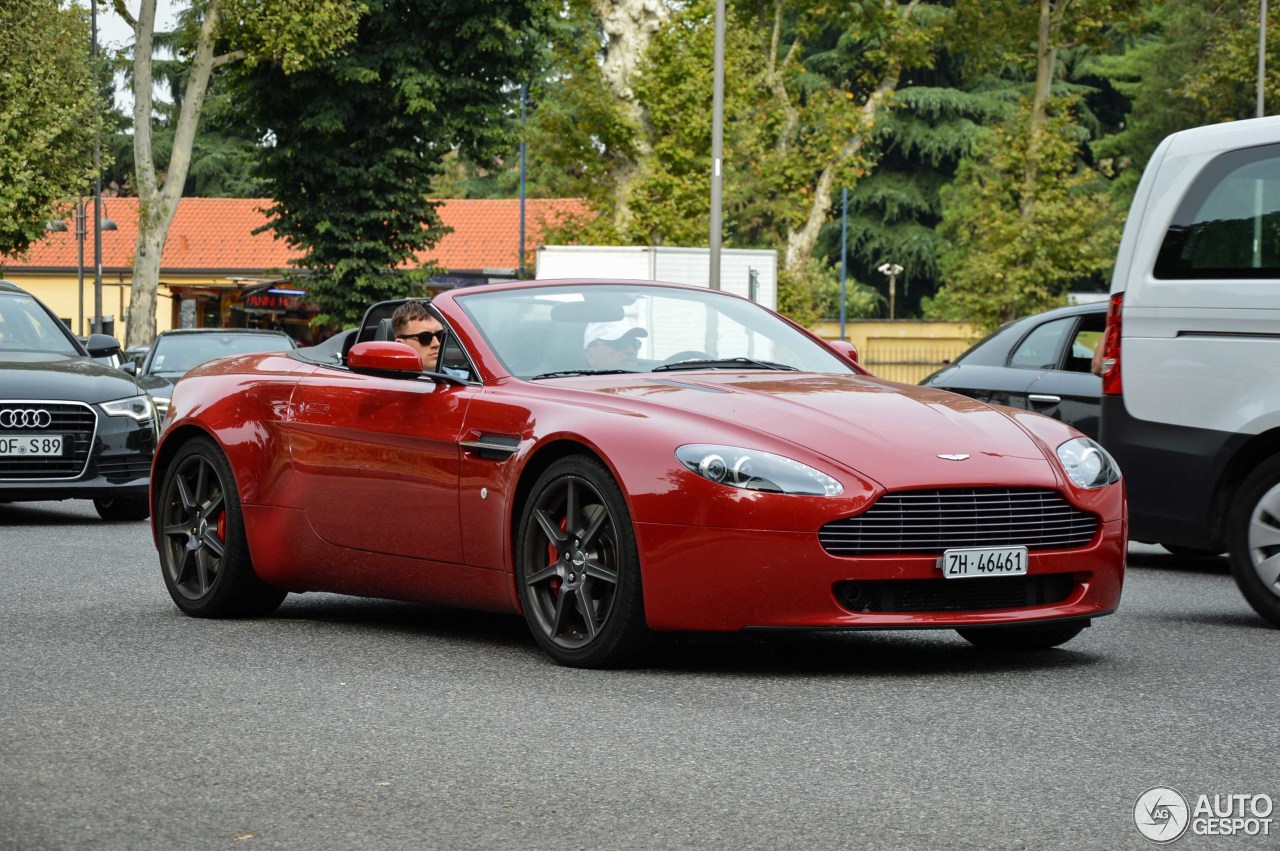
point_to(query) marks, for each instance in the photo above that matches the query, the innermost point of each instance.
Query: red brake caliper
(222, 526)
(552, 556)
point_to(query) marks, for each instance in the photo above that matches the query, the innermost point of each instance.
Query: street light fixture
(892, 270)
(81, 218)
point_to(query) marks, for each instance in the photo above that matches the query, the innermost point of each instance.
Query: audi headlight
(754, 470)
(137, 408)
(1088, 464)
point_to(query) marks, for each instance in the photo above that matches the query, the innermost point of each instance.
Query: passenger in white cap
(612, 345)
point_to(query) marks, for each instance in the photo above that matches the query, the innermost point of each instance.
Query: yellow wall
(59, 292)
(902, 349)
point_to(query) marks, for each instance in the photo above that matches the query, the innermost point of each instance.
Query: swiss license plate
(38, 445)
(973, 562)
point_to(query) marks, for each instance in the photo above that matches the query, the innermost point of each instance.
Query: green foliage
(813, 293)
(1014, 249)
(48, 116)
(359, 137)
(1194, 63)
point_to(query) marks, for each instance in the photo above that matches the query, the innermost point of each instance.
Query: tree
(49, 113)
(1193, 63)
(1024, 218)
(1002, 261)
(359, 137)
(291, 32)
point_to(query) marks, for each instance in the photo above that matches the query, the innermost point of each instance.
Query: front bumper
(118, 464)
(729, 580)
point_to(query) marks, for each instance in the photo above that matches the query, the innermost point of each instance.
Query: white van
(1191, 359)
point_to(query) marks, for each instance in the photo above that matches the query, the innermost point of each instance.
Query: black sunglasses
(424, 338)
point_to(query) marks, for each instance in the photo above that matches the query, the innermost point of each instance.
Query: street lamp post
(892, 270)
(80, 220)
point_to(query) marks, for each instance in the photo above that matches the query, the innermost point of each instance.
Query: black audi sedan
(70, 427)
(1040, 363)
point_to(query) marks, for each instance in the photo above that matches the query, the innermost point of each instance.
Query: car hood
(894, 434)
(51, 377)
(157, 384)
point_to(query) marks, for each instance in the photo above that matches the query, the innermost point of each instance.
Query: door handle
(1043, 399)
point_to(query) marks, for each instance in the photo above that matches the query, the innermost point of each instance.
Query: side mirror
(129, 367)
(389, 358)
(845, 349)
(101, 345)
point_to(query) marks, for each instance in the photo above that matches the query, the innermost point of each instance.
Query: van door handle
(1042, 399)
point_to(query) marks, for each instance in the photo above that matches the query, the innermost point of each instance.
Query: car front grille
(928, 522)
(954, 595)
(75, 421)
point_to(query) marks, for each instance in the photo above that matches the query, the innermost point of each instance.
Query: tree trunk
(1046, 59)
(801, 241)
(157, 204)
(629, 26)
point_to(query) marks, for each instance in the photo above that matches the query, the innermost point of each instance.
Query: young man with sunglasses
(414, 325)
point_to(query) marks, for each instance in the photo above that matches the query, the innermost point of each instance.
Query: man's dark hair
(410, 311)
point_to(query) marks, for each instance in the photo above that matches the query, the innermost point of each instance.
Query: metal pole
(844, 251)
(1262, 59)
(524, 97)
(81, 222)
(97, 183)
(717, 146)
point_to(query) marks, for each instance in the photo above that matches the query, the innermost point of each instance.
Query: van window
(1228, 225)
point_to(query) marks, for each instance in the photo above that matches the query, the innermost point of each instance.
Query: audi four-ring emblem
(25, 418)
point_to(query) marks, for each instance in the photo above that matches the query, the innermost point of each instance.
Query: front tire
(1254, 536)
(122, 507)
(577, 568)
(204, 554)
(1020, 638)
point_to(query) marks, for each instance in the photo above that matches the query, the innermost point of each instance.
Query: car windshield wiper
(724, 363)
(566, 372)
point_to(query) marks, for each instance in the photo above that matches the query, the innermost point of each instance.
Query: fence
(903, 350)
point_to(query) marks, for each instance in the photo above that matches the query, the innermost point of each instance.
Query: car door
(376, 460)
(1070, 391)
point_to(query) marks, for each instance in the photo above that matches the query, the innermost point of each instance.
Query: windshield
(180, 353)
(548, 332)
(26, 327)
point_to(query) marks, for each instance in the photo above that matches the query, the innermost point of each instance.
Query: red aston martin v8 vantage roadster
(612, 459)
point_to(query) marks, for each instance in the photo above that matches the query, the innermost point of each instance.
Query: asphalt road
(346, 723)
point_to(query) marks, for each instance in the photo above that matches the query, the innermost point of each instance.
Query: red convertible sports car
(614, 459)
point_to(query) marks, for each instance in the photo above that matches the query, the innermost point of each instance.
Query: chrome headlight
(138, 408)
(1088, 464)
(754, 470)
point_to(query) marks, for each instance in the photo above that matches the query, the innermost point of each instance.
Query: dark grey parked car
(70, 428)
(1040, 363)
(175, 353)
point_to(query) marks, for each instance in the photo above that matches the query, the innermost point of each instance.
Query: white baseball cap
(610, 331)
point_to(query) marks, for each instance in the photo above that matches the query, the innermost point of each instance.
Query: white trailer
(748, 272)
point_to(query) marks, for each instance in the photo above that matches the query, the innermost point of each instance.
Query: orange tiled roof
(215, 235)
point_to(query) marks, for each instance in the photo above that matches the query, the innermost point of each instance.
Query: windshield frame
(584, 303)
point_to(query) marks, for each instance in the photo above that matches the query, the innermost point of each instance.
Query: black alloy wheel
(577, 569)
(1017, 638)
(203, 551)
(1253, 532)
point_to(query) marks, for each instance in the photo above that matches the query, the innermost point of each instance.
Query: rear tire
(204, 554)
(1253, 532)
(122, 507)
(1019, 638)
